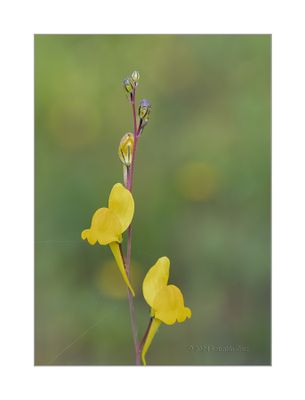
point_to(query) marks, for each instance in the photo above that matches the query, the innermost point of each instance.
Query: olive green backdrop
(202, 193)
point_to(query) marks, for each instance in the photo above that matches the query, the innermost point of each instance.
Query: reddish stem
(132, 313)
(135, 140)
(130, 174)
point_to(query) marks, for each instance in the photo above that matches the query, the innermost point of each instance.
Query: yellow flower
(166, 301)
(108, 224)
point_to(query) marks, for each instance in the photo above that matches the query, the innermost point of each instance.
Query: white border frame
(20, 20)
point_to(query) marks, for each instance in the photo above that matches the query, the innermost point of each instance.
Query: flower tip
(128, 85)
(145, 102)
(143, 360)
(144, 110)
(118, 186)
(135, 76)
(164, 259)
(125, 150)
(164, 265)
(129, 285)
(87, 234)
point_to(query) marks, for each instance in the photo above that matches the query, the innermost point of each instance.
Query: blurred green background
(202, 193)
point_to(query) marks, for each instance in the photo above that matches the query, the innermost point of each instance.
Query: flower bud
(135, 76)
(144, 110)
(126, 149)
(128, 85)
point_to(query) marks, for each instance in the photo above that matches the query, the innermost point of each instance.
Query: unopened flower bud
(128, 85)
(126, 149)
(144, 109)
(135, 76)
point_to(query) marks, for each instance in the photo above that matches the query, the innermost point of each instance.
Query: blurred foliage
(202, 192)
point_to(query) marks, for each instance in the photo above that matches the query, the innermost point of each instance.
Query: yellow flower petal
(122, 204)
(184, 313)
(88, 234)
(169, 307)
(151, 333)
(155, 279)
(105, 228)
(119, 260)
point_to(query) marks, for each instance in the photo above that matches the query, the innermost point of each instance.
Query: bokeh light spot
(110, 282)
(198, 181)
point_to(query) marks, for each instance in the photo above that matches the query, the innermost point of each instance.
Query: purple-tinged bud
(128, 85)
(144, 110)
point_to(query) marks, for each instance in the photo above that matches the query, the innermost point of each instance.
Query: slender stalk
(130, 174)
(131, 310)
(135, 139)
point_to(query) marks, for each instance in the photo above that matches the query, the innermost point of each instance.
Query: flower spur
(108, 225)
(166, 301)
